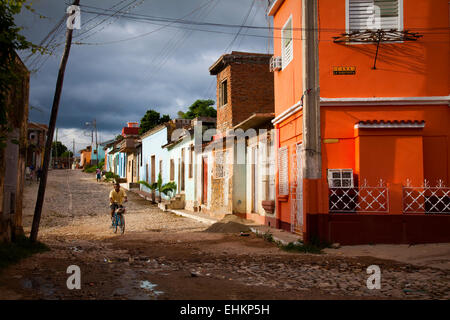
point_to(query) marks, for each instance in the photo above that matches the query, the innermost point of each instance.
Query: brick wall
(250, 90)
(224, 113)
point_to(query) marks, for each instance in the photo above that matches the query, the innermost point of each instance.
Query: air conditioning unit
(275, 64)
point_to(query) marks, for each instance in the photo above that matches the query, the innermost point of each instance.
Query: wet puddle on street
(147, 285)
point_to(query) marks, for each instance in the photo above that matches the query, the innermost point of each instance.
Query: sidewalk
(278, 235)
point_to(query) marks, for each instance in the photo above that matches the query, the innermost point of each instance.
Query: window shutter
(287, 43)
(283, 179)
(373, 14)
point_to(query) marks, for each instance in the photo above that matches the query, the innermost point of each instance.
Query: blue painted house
(154, 157)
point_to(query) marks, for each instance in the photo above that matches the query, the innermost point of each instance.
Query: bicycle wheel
(122, 224)
(115, 223)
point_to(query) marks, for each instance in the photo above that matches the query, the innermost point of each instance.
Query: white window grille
(365, 199)
(374, 15)
(426, 199)
(283, 180)
(340, 178)
(287, 43)
(275, 64)
(297, 191)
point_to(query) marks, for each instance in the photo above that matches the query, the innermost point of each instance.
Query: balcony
(128, 145)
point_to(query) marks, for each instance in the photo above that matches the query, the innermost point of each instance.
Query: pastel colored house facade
(101, 154)
(154, 158)
(85, 157)
(384, 121)
(183, 160)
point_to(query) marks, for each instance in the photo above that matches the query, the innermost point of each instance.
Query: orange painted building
(85, 157)
(384, 120)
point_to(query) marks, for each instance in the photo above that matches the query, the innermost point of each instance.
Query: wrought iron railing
(426, 199)
(361, 199)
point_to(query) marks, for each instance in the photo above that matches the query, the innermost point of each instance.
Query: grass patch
(90, 169)
(314, 246)
(22, 248)
(301, 247)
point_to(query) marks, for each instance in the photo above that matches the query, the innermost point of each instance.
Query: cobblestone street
(164, 256)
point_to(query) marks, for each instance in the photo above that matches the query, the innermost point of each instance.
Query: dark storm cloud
(166, 70)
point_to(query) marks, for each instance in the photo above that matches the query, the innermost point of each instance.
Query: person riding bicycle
(117, 197)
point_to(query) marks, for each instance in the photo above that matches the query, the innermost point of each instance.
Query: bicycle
(119, 219)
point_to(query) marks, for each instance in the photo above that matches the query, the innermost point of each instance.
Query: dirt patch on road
(230, 224)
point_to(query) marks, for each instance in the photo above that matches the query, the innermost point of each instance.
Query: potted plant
(169, 189)
(152, 187)
(158, 186)
(269, 206)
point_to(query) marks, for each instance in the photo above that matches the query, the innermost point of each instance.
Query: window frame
(283, 171)
(172, 170)
(221, 92)
(330, 178)
(347, 17)
(285, 62)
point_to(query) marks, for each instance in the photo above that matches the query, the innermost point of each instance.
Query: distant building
(85, 157)
(37, 135)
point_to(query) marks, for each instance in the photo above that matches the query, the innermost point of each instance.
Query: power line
(128, 6)
(242, 24)
(98, 15)
(172, 45)
(182, 21)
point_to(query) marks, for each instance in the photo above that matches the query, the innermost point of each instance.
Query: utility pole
(56, 147)
(73, 151)
(311, 150)
(51, 128)
(96, 141)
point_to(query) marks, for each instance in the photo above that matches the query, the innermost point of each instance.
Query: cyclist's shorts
(115, 206)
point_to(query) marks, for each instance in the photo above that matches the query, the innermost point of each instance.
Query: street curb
(275, 238)
(191, 216)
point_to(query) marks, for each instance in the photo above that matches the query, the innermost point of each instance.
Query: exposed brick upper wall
(250, 90)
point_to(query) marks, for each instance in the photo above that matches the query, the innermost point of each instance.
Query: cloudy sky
(119, 66)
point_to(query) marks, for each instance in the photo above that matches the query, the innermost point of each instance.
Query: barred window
(283, 178)
(340, 178)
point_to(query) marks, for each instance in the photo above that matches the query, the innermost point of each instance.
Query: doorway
(205, 180)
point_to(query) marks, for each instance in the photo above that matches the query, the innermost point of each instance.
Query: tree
(200, 108)
(58, 149)
(151, 119)
(10, 42)
(67, 154)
